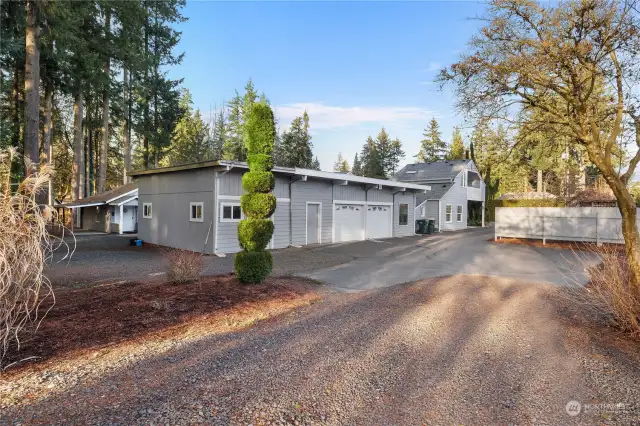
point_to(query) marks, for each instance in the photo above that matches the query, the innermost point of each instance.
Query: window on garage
(423, 210)
(146, 210)
(448, 213)
(459, 213)
(195, 212)
(230, 212)
(403, 215)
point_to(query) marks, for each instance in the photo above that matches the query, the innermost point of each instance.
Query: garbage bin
(431, 227)
(421, 226)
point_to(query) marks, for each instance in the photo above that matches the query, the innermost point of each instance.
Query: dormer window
(411, 172)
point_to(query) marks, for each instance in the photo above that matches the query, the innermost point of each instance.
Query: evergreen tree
(316, 164)
(296, 146)
(341, 165)
(371, 162)
(189, 142)
(456, 150)
(218, 135)
(389, 151)
(432, 147)
(357, 166)
(239, 110)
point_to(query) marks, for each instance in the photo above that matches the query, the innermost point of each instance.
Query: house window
(448, 213)
(230, 212)
(403, 216)
(195, 212)
(458, 213)
(422, 210)
(146, 210)
(463, 179)
(113, 214)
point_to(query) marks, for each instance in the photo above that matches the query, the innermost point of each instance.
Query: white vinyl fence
(592, 224)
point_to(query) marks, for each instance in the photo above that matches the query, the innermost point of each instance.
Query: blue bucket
(139, 243)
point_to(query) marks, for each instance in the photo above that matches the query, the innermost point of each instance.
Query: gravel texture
(108, 258)
(459, 350)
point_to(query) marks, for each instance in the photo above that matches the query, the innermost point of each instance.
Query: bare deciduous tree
(572, 65)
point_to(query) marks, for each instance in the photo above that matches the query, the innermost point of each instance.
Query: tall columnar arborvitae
(254, 263)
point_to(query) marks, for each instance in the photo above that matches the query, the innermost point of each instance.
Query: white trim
(122, 195)
(423, 210)
(143, 211)
(223, 204)
(461, 213)
(120, 225)
(83, 205)
(406, 224)
(363, 203)
(196, 204)
(445, 213)
(333, 223)
(306, 219)
(126, 201)
(237, 198)
(439, 215)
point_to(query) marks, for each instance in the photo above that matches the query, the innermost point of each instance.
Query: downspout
(290, 214)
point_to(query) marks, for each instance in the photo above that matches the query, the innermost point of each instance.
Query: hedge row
(492, 204)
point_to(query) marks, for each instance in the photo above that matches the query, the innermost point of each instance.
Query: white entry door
(379, 221)
(348, 222)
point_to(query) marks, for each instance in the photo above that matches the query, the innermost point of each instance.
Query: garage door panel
(379, 219)
(348, 222)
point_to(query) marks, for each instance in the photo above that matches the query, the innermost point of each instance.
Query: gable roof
(117, 194)
(436, 171)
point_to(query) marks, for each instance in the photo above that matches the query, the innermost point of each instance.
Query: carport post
(121, 219)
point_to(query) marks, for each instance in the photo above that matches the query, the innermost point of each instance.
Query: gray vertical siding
(409, 228)
(456, 195)
(281, 224)
(384, 195)
(351, 192)
(231, 184)
(170, 195)
(311, 190)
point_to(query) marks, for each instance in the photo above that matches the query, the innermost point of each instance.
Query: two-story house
(457, 196)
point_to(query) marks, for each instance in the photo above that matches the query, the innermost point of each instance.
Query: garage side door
(348, 222)
(379, 221)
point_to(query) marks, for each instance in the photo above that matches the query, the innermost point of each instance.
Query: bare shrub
(184, 266)
(25, 246)
(610, 295)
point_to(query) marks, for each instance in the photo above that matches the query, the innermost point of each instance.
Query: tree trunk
(77, 177)
(47, 148)
(127, 134)
(104, 147)
(32, 90)
(88, 141)
(17, 108)
(628, 210)
(145, 127)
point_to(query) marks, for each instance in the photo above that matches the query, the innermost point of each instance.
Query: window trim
(450, 219)
(461, 213)
(145, 210)
(463, 180)
(231, 204)
(423, 210)
(399, 206)
(196, 204)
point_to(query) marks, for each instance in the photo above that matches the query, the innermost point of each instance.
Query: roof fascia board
(122, 195)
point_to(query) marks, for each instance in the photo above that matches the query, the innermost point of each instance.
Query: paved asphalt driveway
(393, 261)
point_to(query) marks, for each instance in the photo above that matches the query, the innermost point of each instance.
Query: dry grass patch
(184, 266)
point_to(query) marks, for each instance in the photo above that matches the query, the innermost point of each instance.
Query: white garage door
(379, 221)
(348, 222)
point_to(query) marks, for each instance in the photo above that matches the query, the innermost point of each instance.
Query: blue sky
(354, 66)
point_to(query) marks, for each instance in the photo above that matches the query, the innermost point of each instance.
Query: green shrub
(258, 181)
(252, 267)
(492, 204)
(254, 234)
(260, 162)
(257, 205)
(260, 130)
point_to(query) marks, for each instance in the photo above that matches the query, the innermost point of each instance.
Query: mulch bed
(559, 244)
(95, 317)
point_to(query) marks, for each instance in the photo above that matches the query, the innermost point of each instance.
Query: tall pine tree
(456, 150)
(432, 147)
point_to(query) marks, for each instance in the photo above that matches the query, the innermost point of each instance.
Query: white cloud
(433, 66)
(330, 117)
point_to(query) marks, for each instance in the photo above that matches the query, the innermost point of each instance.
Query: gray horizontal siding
(409, 228)
(430, 212)
(311, 190)
(228, 231)
(457, 195)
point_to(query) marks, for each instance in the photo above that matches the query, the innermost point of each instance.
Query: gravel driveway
(459, 350)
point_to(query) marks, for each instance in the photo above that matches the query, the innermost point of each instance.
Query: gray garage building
(197, 207)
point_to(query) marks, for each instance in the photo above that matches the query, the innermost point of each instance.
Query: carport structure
(112, 211)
